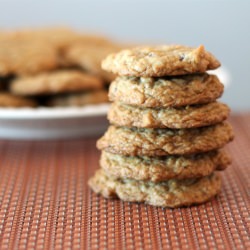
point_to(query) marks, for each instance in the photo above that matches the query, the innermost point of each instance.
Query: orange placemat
(45, 203)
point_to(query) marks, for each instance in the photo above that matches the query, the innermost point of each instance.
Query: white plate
(53, 123)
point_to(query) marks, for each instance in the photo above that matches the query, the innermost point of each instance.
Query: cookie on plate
(184, 117)
(61, 81)
(64, 39)
(174, 91)
(20, 55)
(8, 100)
(159, 142)
(172, 193)
(89, 57)
(79, 99)
(160, 61)
(157, 169)
(60, 37)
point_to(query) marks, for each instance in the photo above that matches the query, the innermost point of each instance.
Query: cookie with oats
(26, 56)
(157, 169)
(61, 81)
(8, 100)
(89, 56)
(160, 61)
(159, 142)
(184, 117)
(79, 99)
(60, 36)
(166, 92)
(171, 193)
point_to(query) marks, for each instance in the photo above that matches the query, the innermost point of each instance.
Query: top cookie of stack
(56, 65)
(167, 127)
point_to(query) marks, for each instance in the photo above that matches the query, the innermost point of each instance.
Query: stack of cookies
(164, 144)
(53, 67)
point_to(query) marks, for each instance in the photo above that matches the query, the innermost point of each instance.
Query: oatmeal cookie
(159, 142)
(185, 117)
(61, 81)
(172, 193)
(8, 100)
(160, 61)
(60, 36)
(166, 92)
(89, 57)
(79, 99)
(157, 169)
(20, 55)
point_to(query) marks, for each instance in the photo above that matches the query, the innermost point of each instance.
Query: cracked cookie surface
(186, 117)
(157, 169)
(172, 193)
(159, 142)
(166, 92)
(160, 61)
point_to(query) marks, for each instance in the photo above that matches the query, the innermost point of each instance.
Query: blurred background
(221, 25)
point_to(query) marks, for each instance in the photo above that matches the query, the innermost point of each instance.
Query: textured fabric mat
(46, 204)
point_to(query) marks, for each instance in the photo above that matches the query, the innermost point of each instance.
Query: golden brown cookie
(59, 36)
(30, 51)
(89, 57)
(64, 39)
(20, 55)
(160, 61)
(184, 117)
(80, 99)
(157, 169)
(166, 92)
(159, 142)
(8, 100)
(172, 193)
(62, 81)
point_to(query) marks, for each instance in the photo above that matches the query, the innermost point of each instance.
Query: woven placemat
(46, 204)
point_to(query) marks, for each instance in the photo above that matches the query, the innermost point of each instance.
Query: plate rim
(53, 113)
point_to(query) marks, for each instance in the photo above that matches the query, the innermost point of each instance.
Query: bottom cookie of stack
(172, 193)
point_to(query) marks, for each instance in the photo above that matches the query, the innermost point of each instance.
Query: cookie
(59, 36)
(159, 142)
(172, 193)
(157, 169)
(64, 39)
(63, 81)
(79, 99)
(89, 57)
(160, 61)
(9, 100)
(185, 117)
(21, 55)
(166, 92)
